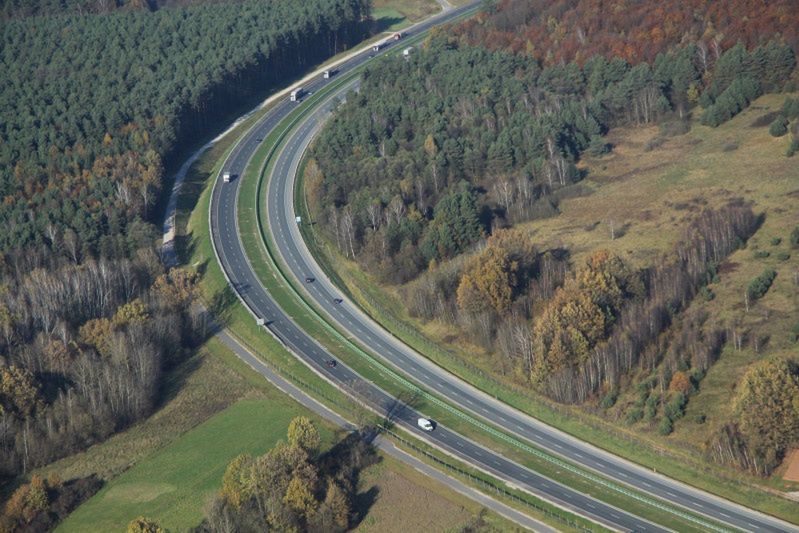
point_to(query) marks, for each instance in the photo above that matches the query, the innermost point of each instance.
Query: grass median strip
(293, 302)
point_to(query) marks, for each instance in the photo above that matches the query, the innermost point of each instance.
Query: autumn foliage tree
(19, 392)
(291, 487)
(488, 282)
(142, 524)
(303, 434)
(561, 31)
(84, 350)
(581, 313)
(767, 407)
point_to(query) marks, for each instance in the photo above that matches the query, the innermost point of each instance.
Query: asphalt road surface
(282, 224)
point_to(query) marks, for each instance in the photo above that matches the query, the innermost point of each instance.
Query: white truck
(426, 424)
(296, 94)
(226, 177)
(407, 51)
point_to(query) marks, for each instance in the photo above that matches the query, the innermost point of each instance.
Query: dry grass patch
(409, 501)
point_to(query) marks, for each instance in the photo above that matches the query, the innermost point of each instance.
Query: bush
(655, 142)
(779, 127)
(730, 147)
(597, 146)
(697, 375)
(790, 108)
(610, 399)
(666, 426)
(759, 286)
(761, 254)
(700, 418)
(795, 332)
(783, 256)
(706, 293)
(674, 127)
(676, 407)
(651, 407)
(793, 147)
(634, 415)
(795, 237)
(776, 241)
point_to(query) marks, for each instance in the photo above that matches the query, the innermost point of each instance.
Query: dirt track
(792, 472)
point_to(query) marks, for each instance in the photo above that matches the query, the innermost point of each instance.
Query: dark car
(330, 363)
(309, 279)
(337, 300)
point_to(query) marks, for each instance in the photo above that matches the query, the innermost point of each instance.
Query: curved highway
(236, 266)
(295, 255)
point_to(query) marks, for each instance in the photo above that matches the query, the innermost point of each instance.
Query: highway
(291, 248)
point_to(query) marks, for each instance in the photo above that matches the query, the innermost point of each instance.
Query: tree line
(562, 31)
(10, 9)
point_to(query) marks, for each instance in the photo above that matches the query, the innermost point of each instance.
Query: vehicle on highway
(296, 94)
(331, 363)
(426, 424)
(226, 177)
(397, 36)
(309, 279)
(329, 73)
(337, 300)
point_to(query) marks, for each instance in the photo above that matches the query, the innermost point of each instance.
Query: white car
(426, 424)
(226, 177)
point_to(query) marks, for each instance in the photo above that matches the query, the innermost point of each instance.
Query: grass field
(173, 485)
(396, 14)
(650, 194)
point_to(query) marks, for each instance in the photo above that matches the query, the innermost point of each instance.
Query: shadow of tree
(344, 463)
(384, 23)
